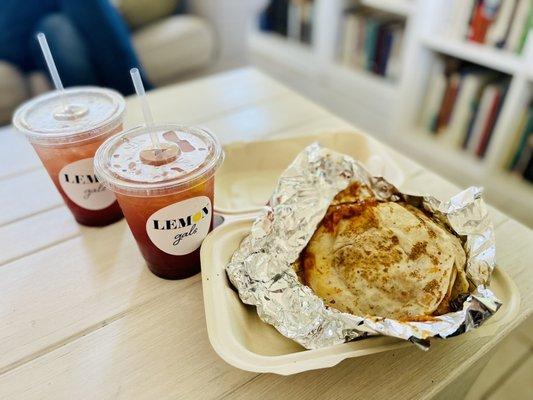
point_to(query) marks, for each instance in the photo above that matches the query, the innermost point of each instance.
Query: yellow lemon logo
(197, 217)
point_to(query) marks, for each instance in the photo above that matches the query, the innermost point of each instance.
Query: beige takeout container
(235, 331)
(244, 341)
(250, 171)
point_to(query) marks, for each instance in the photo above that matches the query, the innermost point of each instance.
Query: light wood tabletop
(83, 318)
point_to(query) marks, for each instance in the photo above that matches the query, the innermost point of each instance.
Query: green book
(516, 137)
(528, 130)
(527, 28)
(371, 35)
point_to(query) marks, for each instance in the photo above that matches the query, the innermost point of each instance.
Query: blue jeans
(70, 51)
(89, 40)
(17, 27)
(108, 39)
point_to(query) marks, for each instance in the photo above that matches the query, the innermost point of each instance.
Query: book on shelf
(500, 27)
(371, 40)
(371, 34)
(523, 163)
(307, 21)
(457, 26)
(447, 103)
(465, 103)
(349, 39)
(483, 15)
(521, 160)
(527, 30)
(294, 18)
(290, 18)
(462, 104)
(528, 169)
(485, 119)
(509, 157)
(500, 23)
(393, 64)
(275, 17)
(496, 103)
(434, 95)
(519, 26)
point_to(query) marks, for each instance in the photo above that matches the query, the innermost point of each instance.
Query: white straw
(52, 68)
(148, 119)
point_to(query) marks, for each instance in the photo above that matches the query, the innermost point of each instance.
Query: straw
(52, 69)
(148, 119)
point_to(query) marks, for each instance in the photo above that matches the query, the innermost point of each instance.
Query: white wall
(231, 20)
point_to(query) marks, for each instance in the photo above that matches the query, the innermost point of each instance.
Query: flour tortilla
(383, 259)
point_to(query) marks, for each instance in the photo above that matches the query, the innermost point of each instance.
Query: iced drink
(66, 139)
(166, 194)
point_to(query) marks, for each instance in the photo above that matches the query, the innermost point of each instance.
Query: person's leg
(68, 49)
(17, 23)
(108, 40)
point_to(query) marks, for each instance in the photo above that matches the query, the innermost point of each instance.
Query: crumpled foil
(261, 268)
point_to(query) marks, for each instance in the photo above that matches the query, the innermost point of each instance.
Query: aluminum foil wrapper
(261, 269)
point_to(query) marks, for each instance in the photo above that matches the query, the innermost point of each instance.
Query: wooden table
(83, 318)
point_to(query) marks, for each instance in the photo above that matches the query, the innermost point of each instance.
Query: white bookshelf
(291, 54)
(400, 7)
(391, 109)
(493, 58)
(379, 92)
(422, 146)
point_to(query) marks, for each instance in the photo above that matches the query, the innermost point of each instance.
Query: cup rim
(61, 138)
(159, 188)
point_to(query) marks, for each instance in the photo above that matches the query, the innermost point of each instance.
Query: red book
(482, 17)
(448, 101)
(489, 124)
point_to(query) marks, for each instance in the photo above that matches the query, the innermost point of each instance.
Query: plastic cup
(66, 141)
(166, 194)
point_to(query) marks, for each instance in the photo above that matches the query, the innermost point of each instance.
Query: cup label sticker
(81, 185)
(180, 228)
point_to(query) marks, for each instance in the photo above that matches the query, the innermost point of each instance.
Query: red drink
(66, 141)
(166, 195)
(137, 210)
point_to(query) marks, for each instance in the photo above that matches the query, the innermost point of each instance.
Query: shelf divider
(487, 56)
(399, 7)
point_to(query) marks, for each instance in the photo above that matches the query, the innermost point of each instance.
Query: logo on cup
(81, 185)
(180, 228)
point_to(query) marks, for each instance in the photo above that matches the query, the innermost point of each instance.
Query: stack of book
(520, 159)
(290, 18)
(462, 104)
(499, 23)
(371, 40)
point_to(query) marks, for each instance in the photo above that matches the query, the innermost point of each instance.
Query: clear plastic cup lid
(90, 111)
(120, 163)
